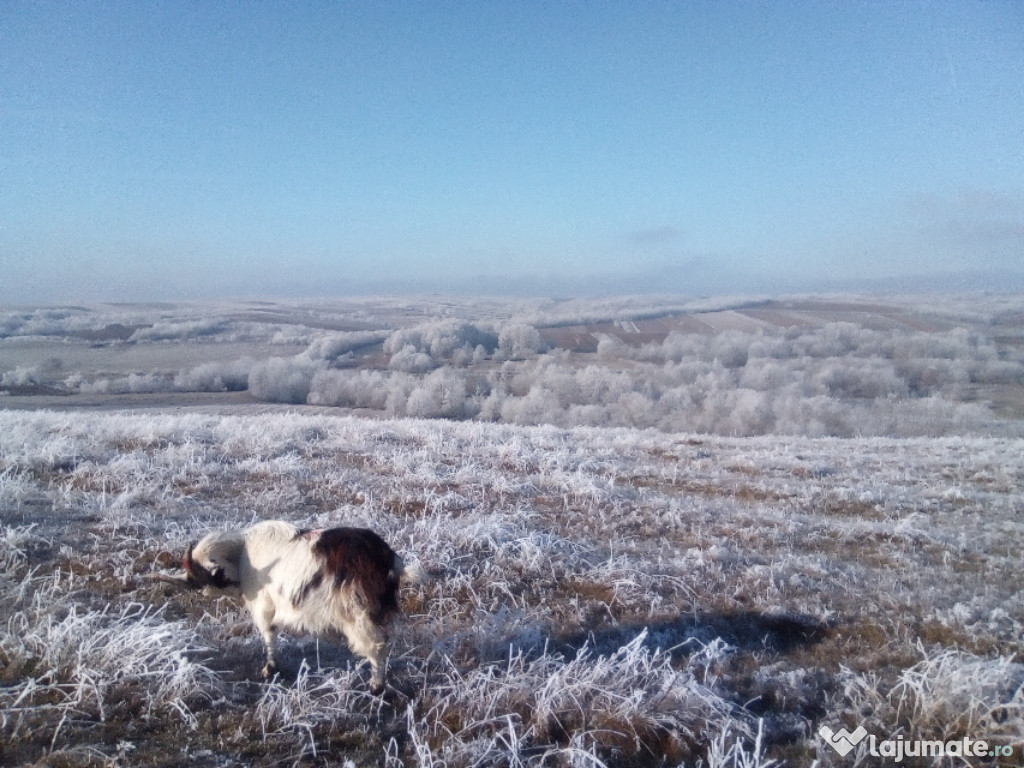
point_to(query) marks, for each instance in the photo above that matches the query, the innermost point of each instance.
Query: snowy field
(605, 596)
(665, 532)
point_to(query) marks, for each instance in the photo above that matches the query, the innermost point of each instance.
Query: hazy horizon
(170, 153)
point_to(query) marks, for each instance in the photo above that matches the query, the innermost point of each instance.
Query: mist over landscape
(812, 365)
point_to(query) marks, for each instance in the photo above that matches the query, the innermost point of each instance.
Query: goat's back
(360, 560)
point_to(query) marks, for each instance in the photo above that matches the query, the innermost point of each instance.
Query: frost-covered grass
(604, 597)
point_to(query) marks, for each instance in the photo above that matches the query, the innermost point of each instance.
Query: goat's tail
(414, 572)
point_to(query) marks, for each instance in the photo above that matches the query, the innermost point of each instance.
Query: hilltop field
(663, 532)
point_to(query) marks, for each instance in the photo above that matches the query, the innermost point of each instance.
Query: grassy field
(604, 596)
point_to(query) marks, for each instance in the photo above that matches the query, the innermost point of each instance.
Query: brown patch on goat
(303, 592)
(361, 560)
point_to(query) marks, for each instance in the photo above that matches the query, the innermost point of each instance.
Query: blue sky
(199, 150)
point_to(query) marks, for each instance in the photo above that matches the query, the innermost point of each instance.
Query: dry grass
(604, 597)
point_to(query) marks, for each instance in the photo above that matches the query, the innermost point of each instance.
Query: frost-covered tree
(351, 389)
(282, 380)
(331, 346)
(517, 341)
(731, 348)
(863, 379)
(442, 394)
(232, 376)
(409, 360)
(440, 339)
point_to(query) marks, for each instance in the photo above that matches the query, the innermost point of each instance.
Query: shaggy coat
(339, 579)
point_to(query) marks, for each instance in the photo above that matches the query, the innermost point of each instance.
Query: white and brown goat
(316, 581)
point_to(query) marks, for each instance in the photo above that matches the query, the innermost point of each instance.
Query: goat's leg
(270, 639)
(370, 640)
(263, 616)
(379, 668)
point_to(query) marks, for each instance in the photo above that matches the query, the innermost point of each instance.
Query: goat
(342, 579)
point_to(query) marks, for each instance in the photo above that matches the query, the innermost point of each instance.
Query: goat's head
(210, 564)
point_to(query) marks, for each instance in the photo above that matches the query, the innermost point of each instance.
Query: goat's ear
(224, 564)
(223, 576)
(196, 575)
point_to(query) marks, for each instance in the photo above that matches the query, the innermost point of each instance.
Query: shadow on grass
(743, 631)
(741, 644)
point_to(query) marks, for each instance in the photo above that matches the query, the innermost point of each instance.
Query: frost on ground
(835, 366)
(603, 597)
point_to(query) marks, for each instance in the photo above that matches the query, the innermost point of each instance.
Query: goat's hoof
(269, 670)
(376, 688)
